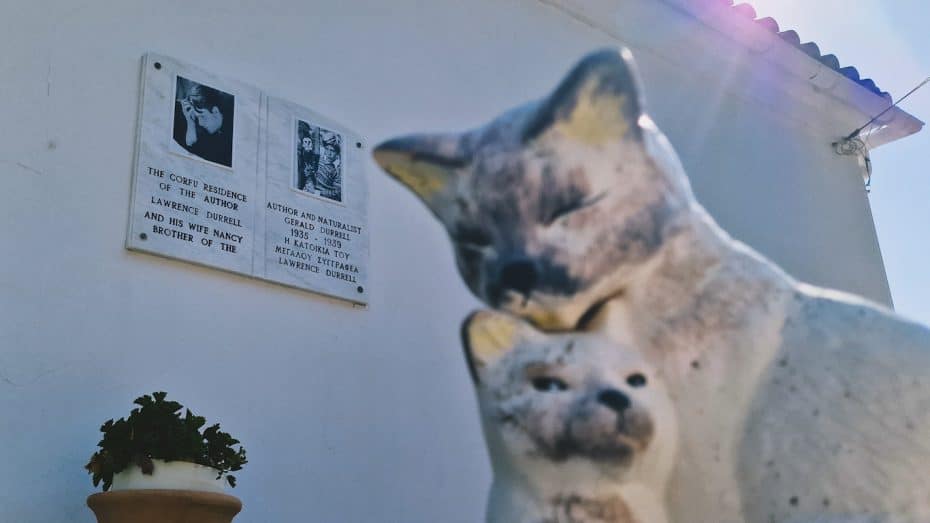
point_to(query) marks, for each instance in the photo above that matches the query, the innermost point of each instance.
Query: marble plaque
(229, 177)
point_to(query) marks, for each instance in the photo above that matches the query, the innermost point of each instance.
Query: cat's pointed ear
(600, 100)
(488, 335)
(427, 164)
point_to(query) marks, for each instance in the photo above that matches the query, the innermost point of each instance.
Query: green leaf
(156, 430)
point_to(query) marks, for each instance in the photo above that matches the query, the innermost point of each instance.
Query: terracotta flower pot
(176, 492)
(163, 506)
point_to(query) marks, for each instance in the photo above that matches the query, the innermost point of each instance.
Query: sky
(888, 41)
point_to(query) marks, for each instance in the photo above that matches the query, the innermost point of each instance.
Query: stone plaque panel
(229, 177)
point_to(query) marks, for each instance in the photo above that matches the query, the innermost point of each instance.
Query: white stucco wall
(348, 415)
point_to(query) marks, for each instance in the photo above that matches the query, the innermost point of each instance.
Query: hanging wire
(868, 172)
(855, 133)
(854, 144)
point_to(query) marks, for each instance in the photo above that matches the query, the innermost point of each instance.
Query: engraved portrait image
(203, 122)
(318, 161)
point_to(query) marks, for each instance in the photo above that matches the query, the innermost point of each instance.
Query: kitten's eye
(472, 237)
(636, 380)
(548, 384)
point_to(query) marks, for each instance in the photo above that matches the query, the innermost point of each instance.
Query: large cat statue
(579, 430)
(796, 404)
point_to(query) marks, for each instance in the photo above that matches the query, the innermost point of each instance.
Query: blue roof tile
(791, 37)
(745, 10)
(810, 48)
(830, 61)
(769, 24)
(850, 72)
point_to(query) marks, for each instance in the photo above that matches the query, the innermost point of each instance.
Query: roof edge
(803, 60)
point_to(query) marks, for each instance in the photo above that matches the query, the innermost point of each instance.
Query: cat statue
(796, 404)
(580, 430)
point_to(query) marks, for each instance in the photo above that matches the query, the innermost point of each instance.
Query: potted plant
(157, 465)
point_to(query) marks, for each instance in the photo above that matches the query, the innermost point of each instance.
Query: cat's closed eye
(572, 206)
(548, 384)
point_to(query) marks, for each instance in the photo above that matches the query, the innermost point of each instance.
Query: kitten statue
(579, 430)
(796, 404)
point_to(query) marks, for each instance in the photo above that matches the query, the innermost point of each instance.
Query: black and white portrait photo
(319, 161)
(203, 121)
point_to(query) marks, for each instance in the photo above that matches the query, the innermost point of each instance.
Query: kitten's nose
(520, 276)
(614, 399)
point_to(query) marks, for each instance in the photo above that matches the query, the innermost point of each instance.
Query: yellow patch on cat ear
(598, 102)
(427, 164)
(489, 335)
(424, 179)
(596, 118)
